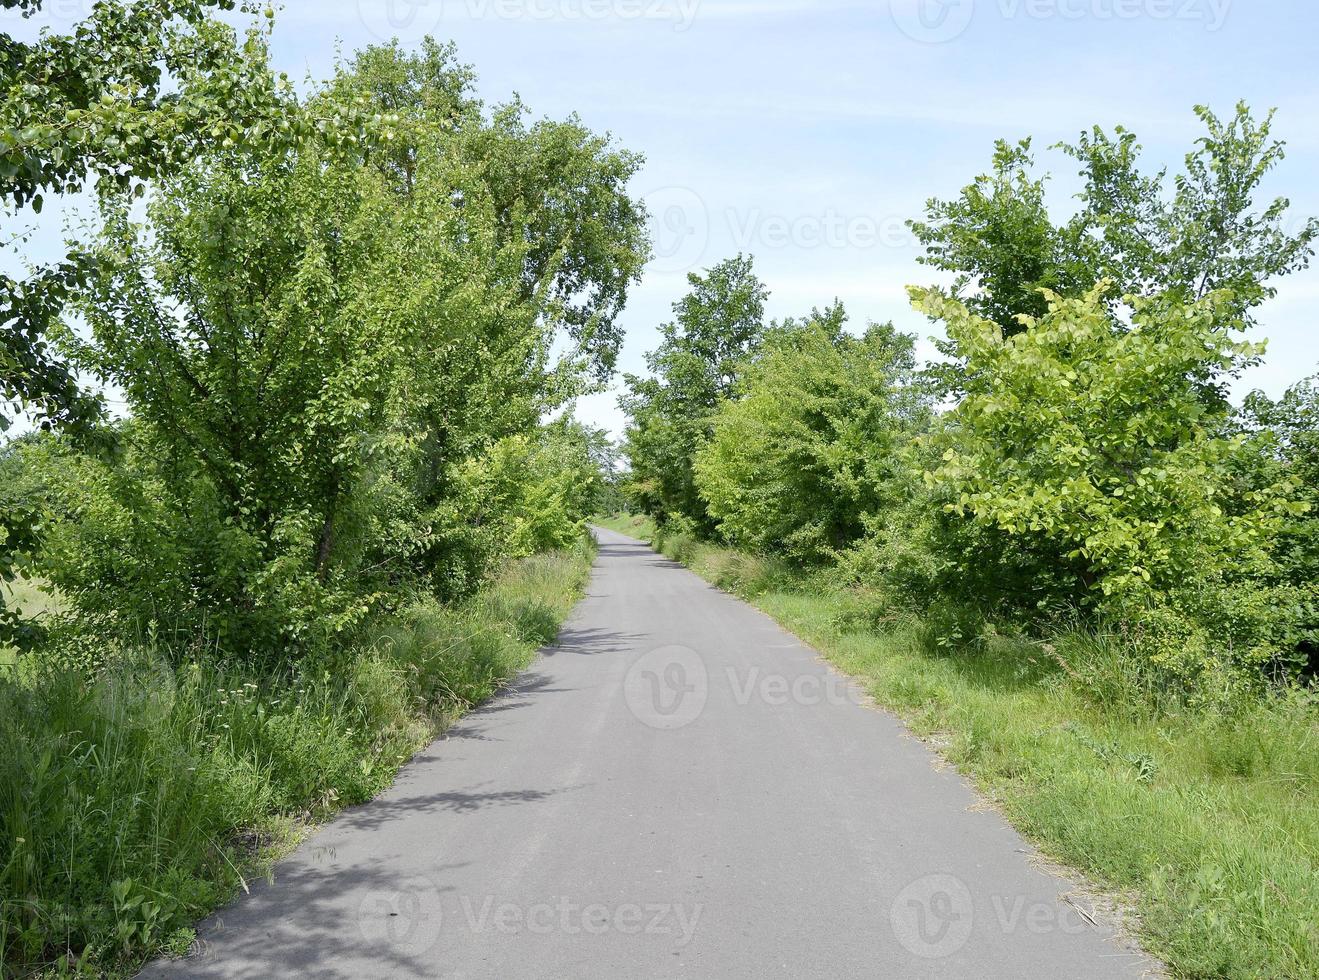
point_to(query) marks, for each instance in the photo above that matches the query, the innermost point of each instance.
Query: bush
(812, 447)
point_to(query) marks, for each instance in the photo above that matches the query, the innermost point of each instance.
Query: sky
(806, 132)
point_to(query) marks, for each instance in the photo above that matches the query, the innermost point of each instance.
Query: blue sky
(807, 131)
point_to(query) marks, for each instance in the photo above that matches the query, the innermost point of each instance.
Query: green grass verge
(1208, 823)
(133, 805)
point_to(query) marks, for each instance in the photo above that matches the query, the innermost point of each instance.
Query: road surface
(678, 788)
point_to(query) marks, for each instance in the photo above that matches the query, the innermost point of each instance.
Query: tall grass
(1207, 820)
(132, 805)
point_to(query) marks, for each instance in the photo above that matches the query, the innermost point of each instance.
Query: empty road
(678, 788)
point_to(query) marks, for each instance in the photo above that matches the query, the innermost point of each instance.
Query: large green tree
(1096, 445)
(1199, 231)
(318, 347)
(133, 93)
(1286, 436)
(812, 445)
(715, 327)
(532, 324)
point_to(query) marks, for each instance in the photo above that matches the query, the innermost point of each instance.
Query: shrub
(811, 448)
(1102, 442)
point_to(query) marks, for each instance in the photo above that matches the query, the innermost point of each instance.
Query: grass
(134, 805)
(1207, 822)
(30, 598)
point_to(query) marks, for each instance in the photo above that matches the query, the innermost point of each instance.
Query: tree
(716, 325)
(247, 334)
(1209, 236)
(320, 358)
(554, 185)
(1097, 443)
(999, 241)
(561, 243)
(537, 489)
(1286, 435)
(133, 94)
(811, 445)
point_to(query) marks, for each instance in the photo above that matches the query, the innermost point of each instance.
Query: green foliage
(1090, 469)
(91, 108)
(538, 489)
(998, 236)
(1286, 433)
(260, 371)
(811, 446)
(715, 326)
(138, 92)
(1204, 236)
(135, 93)
(1094, 447)
(1058, 437)
(555, 192)
(335, 364)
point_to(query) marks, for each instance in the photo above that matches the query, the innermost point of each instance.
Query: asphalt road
(678, 788)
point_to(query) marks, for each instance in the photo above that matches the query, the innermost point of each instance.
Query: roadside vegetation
(1060, 551)
(345, 500)
(135, 805)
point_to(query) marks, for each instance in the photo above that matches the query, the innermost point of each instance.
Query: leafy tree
(132, 94)
(537, 489)
(554, 185)
(1098, 443)
(1286, 434)
(1209, 236)
(998, 239)
(246, 334)
(21, 506)
(811, 446)
(1194, 256)
(716, 325)
(319, 357)
(563, 243)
